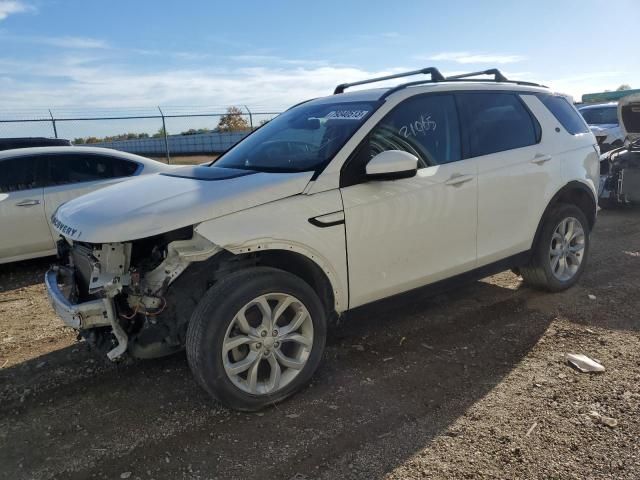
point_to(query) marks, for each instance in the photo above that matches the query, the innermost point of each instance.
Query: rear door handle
(540, 158)
(458, 179)
(28, 203)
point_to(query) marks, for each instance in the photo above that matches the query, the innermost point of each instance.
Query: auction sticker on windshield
(348, 114)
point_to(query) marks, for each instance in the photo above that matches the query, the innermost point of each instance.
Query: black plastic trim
(572, 185)
(391, 175)
(208, 174)
(317, 223)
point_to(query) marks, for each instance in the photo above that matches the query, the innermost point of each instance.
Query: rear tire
(256, 337)
(560, 253)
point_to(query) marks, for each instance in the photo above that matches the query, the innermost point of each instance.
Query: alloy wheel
(566, 250)
(267, 343)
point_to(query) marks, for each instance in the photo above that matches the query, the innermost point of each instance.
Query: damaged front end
(620, 168)
(117, 294)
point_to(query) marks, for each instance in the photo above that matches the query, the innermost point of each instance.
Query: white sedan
(35, 181)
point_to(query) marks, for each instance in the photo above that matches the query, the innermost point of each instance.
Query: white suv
(338, 202)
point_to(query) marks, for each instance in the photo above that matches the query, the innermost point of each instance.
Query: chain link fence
(174, 134)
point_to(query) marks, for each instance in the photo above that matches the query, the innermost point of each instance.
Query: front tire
(560, 253)
(256, 337)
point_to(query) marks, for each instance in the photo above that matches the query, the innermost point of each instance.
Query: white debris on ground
(584, 363)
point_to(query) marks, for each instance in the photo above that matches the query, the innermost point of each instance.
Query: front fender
(285, 225)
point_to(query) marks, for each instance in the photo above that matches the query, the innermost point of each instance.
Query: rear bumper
(85, 315)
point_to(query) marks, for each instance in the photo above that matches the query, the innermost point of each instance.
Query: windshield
(301, 139)
(600, 116)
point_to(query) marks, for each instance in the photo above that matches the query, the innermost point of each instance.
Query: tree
(233, 121)
(160, 133)
(193, 131)
(79, 140)
(624, 86)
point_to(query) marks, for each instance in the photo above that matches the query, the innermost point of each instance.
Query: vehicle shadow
(411, 364)
(23, 274)
(611, 279)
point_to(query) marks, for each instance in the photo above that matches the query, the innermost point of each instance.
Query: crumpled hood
(154, 204)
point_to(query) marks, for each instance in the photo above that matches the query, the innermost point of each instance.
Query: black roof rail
(436, 76)
(464, 77)
(497, 77)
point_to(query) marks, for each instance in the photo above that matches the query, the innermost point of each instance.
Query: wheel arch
(305, 268)
(185, 293)
(575, 193)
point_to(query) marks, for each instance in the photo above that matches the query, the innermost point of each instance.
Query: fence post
(53, 122)
(250, 117)
(166, 140)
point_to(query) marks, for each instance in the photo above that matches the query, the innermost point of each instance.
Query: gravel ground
(467, 384)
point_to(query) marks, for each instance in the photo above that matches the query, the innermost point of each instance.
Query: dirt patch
(467, 384)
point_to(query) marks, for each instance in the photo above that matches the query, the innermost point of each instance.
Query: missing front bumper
(100, 312)
(94, 313)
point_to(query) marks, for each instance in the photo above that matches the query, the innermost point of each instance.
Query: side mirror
(392, 165)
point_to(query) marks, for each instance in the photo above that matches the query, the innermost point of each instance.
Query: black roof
(26, 142)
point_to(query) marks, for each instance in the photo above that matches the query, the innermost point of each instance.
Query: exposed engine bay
(620, 168)
(620, 176)
(123, 289)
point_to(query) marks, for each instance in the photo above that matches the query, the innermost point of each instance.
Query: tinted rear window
(600, 116)
(565, 113)
(79, 168)
(495, 122)
(18, 174)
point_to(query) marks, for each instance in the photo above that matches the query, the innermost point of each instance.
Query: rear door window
(565, 113)
(495, 122)
(19, 173)
(79, 168)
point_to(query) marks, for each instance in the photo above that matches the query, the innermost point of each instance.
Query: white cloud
(60, 42)
(87, 86)
(9, 7)
(467, 58)
(71, 42)
(590, 82)
(275, 60)
(85, 81)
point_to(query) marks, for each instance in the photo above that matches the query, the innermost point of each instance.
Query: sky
(85, 55)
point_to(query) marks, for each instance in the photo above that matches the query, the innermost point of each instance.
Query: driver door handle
(458, 179)
(540, 159)
(28, 203)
